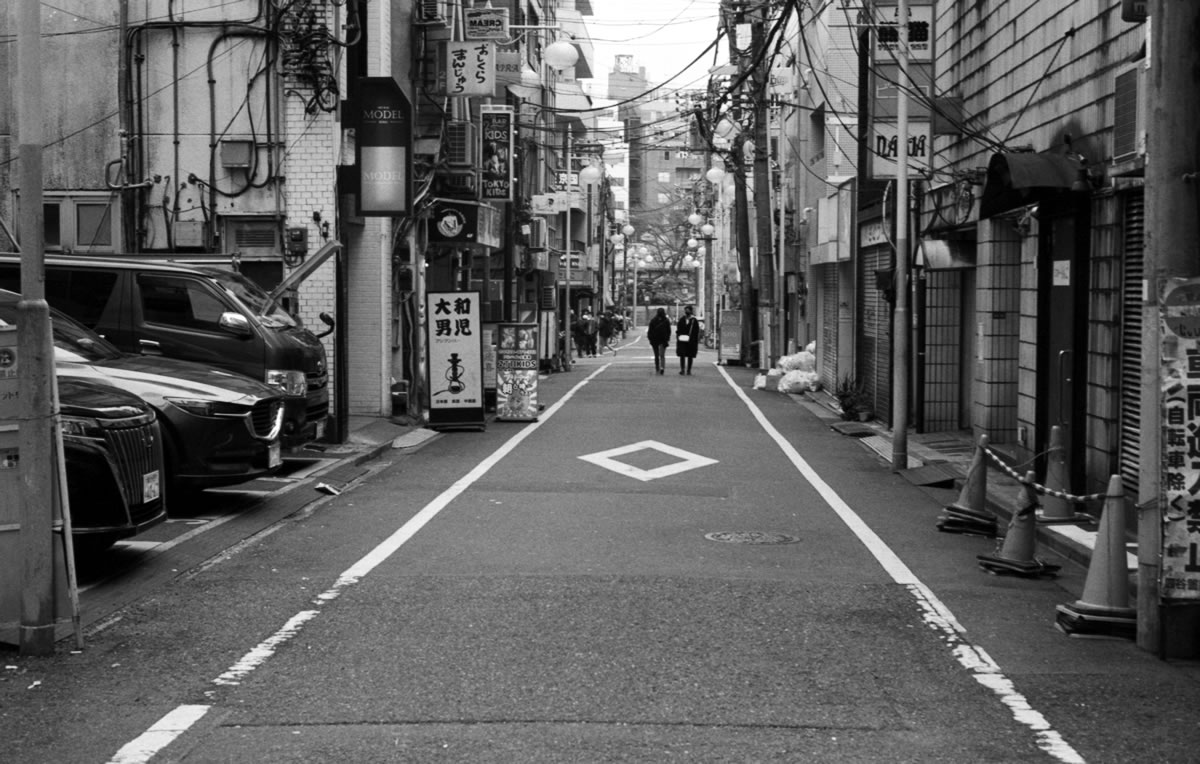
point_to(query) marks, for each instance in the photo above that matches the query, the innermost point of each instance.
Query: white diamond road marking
(688, 460)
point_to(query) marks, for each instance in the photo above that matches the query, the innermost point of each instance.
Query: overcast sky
(662, 35)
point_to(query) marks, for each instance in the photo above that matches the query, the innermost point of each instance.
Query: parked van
(203, 313)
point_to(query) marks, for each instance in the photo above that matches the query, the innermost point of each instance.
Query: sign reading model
(383, 143)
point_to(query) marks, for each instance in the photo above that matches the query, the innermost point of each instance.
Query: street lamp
(588, 176)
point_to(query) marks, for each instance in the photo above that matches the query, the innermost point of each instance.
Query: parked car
(114, 463)
(199, 313)
(218, 427)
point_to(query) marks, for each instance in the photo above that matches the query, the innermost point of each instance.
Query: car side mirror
(235, 323)
(328, 321)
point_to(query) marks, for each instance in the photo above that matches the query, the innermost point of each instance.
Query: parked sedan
(114, 462)
(218, 427)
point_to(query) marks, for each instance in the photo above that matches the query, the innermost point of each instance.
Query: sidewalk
(943, 458)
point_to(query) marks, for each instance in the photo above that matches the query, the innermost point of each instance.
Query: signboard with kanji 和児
(454, 360)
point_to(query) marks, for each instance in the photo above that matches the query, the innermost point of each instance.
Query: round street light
(708, 229)
(589, 174)
(561, 54)
(692, 244)
(695, 219)
(627, 230)
(715, 175)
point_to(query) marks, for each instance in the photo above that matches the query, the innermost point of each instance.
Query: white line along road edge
(936, 615)
(181, 719)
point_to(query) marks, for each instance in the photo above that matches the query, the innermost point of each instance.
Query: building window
(80, 222)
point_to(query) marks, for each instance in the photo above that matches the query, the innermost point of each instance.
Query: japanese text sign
(455, 352)
(1180, 397)
(470, 68)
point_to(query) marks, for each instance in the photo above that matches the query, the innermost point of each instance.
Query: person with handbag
(658, 334)
(687, 340)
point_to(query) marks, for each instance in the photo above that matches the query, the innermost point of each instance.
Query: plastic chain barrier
(1037, 486)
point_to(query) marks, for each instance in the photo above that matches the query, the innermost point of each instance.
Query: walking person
(658, 334)
(687, 340)
(589, 333)
(605, 327)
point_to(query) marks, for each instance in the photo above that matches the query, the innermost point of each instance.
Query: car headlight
(200, 407)
(290, 381)
(81, 427)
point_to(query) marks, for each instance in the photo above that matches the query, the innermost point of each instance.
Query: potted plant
(852, 399)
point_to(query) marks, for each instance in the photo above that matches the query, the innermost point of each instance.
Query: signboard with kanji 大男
(383, 122)
(1180, 396)
(470, 68)
(496, 130)
(517, 372)
(454, 360)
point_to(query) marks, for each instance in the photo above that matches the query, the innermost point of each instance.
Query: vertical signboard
(383, 144)
(517, 373)
(496, 129)
(470, 68)
(1180, 380)
(730, 347)
(454, 362)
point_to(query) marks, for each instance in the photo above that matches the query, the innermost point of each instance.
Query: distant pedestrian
(590, 327)
(577, 336)
(687, 340)
(605, 326)
(658, 334)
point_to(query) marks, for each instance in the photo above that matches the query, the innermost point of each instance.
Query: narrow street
(662, 568)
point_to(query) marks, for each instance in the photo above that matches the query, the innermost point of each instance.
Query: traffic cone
(970, 514)
(1104, 608)
(1016, 554)
(1055, 506)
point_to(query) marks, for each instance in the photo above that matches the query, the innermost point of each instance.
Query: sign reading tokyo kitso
(496, 135)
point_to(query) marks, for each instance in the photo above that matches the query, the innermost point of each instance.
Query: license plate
(274, 457)
(151, 486)
(320, 430)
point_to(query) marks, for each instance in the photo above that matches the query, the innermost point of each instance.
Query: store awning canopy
(945, 254)
(1015, 179)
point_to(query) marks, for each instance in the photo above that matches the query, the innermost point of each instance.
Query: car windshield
(252, 296)
(72, 342)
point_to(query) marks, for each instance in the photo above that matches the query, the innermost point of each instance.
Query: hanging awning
(1020, 178)
(945, 254)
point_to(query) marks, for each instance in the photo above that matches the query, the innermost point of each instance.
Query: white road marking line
(179, 720)
(936, 615)
(159, 736)
(687, 460)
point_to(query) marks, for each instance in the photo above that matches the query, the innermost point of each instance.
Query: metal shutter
(1131, 340)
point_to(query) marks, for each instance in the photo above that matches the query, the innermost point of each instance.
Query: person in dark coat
(687, 340)
(658, 334)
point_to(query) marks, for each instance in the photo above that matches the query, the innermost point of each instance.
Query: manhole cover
(751, 537)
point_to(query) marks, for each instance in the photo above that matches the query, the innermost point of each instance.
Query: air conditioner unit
(460, 144)
(433, 13)
(251, 237)
(537, 233)
(459, 184)
(1129, 114)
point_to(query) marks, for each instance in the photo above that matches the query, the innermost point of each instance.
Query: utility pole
(758, 78)
(903, 319)
(1172, 190)
(35, 384)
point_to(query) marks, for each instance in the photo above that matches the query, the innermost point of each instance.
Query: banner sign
(470, 68)
(454, 360)
(486, 23)
(383, 143)
(9, 397)
(1180, 381)
(885, 149)
(496, 129)
(517, 373)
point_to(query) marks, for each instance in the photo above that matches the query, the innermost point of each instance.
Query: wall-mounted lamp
(560, 54)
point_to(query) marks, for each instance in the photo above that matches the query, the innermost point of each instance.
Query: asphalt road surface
(661, 568)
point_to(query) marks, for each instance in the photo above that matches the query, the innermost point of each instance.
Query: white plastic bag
(760, 381)
(797, 381)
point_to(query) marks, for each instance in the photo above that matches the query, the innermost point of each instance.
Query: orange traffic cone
(1056, 508)
(1016, 554)
(1104, 608)
(970, 514)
